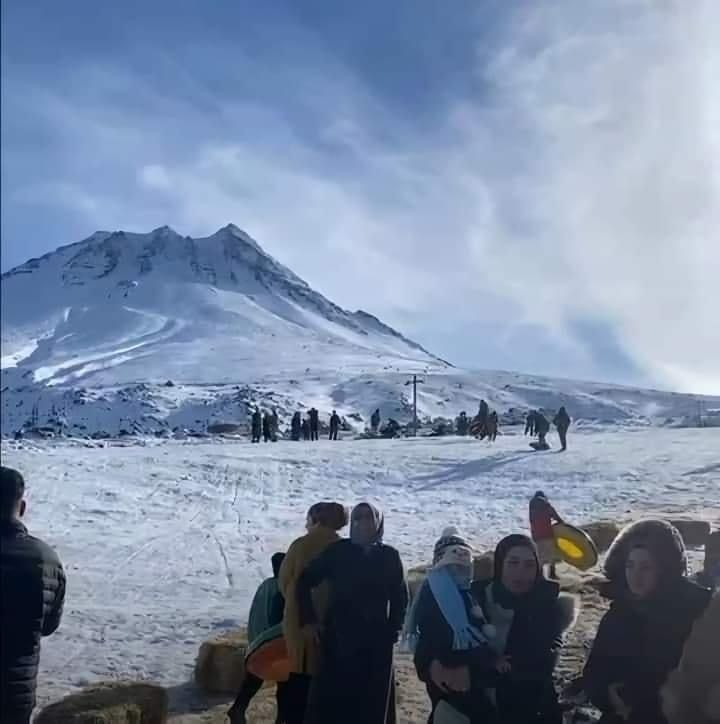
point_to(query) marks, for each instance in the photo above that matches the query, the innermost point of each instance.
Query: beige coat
(692, 692)
(304, 656)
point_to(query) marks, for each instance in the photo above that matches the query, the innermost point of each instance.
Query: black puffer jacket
(639, 643)
(32, 593)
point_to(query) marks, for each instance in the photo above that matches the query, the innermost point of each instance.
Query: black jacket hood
(660, 537)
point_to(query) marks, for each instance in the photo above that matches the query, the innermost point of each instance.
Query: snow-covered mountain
(121, 308)
(93, 331)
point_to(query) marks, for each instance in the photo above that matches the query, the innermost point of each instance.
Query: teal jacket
(266, 610)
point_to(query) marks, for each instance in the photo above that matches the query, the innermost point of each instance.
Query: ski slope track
(92, 332)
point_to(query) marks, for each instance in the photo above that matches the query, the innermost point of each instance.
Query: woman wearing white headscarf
(368, 598)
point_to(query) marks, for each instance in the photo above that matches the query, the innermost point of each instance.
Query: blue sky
(517, 185)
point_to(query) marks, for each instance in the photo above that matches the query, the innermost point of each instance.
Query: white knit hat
(452, 549)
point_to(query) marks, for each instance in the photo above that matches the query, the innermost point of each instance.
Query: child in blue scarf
(449, 636)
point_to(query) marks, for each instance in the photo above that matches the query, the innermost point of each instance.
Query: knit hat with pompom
(452, 549)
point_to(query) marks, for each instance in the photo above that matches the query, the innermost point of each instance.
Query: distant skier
(266, 427)
(461, 424)
(530, 423)
(256, 425)
(542, 514)
(306, 428)
(491, 427)
(334, 425)
(562, 423)
(314, 424)
(296, 427)
(542, 427)
(375, 421)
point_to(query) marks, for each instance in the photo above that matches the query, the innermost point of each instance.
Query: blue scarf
(449, 598)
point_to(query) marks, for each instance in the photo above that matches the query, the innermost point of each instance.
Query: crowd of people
(265, 426)
(484, 425)
(485, 649)
(536, 423)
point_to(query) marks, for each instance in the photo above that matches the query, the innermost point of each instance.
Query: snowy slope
(92, 331)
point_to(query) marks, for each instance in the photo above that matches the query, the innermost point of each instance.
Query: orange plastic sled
(267, 656)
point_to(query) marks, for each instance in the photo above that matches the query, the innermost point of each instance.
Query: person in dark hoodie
(32, 594)
(529, 616)
(530, 423)
(314, 424)
(368, 598)
(266, 427)
(334, 425)
(266, 611)
(562, 423)
(295, 427)
(448, 635)
(640, 639)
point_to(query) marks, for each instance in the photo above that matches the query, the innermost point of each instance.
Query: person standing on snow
(530, 423)
(32, 594)
(542, 515)
(461, 424)
(323, 522)
(492, 426)
(266, 427)
(274, 425)
(375, 421)
(562, 423)
(334, 425)
(306, 429)
(314, 424)
(529, 617)
(640, 639)
(256, 425)
(355, 683)
(446, 631)
(295, 427)
(542, 427)
(483, 412)
(266, 611)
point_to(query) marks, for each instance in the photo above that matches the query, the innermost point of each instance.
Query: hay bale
(110, 703)
(694, 532)
(712, 554)
(220, 664)
(602, 533)
(415, 578)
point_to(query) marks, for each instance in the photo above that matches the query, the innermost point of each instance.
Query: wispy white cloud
(583, 183)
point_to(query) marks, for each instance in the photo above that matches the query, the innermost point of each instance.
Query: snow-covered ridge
(92, 332)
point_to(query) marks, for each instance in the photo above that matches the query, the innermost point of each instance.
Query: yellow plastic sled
(575, 546)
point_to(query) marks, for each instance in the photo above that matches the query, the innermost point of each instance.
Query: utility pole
(414, 382)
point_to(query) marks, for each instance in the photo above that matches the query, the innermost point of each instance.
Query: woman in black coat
(529, 616)
(640, 639)
(368, 598)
